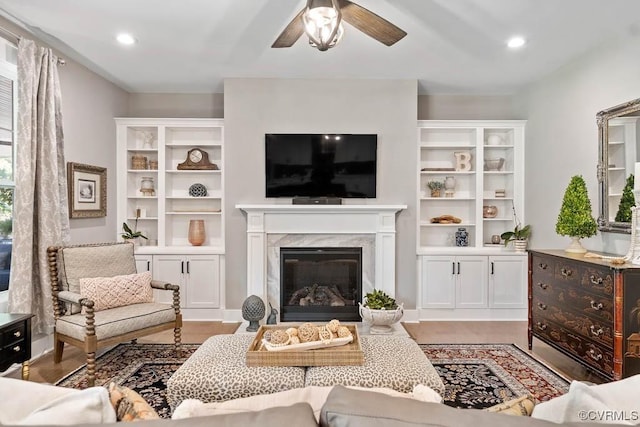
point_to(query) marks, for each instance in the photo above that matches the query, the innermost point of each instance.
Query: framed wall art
(87, 190)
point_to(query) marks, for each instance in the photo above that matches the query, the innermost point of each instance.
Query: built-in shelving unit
(167, 211)
(622, 157)
(456, 281)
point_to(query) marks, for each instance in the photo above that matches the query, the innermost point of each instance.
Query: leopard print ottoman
(217, 372)
(389, 361)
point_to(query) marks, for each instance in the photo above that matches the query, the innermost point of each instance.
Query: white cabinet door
(438, 282)
(507, 282)
(171, 269)
(203, 273)
(471, 275)
(143, 263)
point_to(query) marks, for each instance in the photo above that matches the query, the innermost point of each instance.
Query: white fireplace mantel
(320, 219)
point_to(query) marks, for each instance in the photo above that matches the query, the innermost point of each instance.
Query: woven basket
(138, 162)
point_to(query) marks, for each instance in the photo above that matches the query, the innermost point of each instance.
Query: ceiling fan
(322, 21)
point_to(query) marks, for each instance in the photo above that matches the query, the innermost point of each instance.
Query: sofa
(343, 407)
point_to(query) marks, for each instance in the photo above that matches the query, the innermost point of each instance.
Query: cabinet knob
(542, 306)
(596, 280)
(543, 286)
(17, 334)
(595, 306)
(16, 348)
(566, 273)
(541, 326)
(596, 332)
(594, 355)
(543, 266)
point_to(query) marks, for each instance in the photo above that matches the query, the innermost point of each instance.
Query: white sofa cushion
(29, 403)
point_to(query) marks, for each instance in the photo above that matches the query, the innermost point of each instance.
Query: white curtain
(41, 216)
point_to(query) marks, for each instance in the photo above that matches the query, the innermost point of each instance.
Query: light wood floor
(44, 370)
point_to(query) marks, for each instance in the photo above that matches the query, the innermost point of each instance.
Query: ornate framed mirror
(619, 150)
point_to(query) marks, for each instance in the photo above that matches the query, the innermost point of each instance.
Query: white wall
(562, 137)
(254, 107)
(205, 105)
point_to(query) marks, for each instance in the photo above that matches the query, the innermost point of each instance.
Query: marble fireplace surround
(269, 227)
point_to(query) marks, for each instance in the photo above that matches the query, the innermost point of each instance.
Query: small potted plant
(520, 234)
(381, 311)
(436, 188)
(132, 235)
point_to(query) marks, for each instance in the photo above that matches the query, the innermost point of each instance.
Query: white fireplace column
(379, 220)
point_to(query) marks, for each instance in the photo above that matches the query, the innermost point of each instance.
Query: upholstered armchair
(99, 300)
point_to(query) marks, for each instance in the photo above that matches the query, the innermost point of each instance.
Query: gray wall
(254, 107)
(466, 107)
(205, 105)
(562, 138)
(89, 104)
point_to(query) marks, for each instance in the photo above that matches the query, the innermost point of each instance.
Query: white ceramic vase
(520, 245)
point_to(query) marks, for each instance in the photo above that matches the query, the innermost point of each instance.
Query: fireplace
(318, 284)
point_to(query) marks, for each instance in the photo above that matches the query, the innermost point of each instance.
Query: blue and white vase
(462, 237)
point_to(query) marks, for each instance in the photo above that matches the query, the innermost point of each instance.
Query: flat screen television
(321, 165)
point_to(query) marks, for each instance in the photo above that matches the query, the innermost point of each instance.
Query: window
(8, 75)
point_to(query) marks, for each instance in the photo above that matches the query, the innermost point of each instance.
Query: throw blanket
(612, 403)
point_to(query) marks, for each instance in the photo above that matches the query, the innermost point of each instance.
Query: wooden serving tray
(349, 354)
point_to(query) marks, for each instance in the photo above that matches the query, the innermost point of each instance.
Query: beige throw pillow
(117, 291)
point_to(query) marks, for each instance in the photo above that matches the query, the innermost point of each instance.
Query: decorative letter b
(463, 160)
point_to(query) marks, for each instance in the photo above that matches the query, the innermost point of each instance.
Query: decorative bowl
(381, 320)
(494, 164)
(489, 211)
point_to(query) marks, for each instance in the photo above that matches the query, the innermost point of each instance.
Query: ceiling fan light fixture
(323, 23)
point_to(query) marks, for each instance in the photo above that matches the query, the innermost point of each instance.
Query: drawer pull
(592, 354)
(543, 266)
(566, 272)
(541, 326)
(543, 286)
(597, 306)
(542, 306)
(596, 281)
(16, 348)
(595, 332)
(17, 334)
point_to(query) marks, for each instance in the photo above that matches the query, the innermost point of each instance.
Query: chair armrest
(157, 284)
(72, 297)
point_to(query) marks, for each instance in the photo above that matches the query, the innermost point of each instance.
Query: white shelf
(438, 141)
(171, 208)
(432, 224)
(616, 142)
(192, 172)
(192, 213)
(616, 169)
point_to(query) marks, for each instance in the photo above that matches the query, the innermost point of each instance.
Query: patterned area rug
(144, 368)
(482, 375)
(475, 375)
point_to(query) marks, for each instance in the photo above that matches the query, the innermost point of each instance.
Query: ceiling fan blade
(291, 33)
(370, 23)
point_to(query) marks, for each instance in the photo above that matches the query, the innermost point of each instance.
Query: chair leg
(91, 369)
(58, 348)
(177, 338)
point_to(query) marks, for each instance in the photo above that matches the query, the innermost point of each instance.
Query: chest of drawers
(587, 309)
(15, 341)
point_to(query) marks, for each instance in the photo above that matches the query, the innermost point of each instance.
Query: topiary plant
(627, 201)
(379, 300)
(575, 218)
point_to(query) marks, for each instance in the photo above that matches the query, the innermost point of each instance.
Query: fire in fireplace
(319, 284)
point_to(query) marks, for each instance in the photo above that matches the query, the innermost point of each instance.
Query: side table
(15, 341)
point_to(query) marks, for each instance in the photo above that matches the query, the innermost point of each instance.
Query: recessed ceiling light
(516, 42)
(126, 39)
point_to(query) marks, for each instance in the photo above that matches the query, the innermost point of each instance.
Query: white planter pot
(520, 245)
(381, 320)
